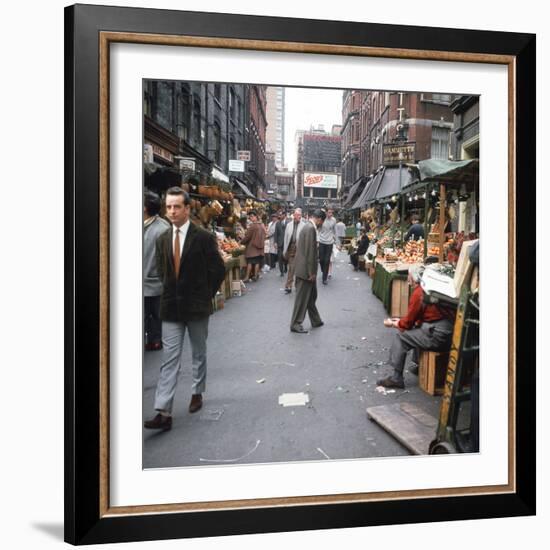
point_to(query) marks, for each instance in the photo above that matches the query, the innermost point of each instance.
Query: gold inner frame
(105, 39)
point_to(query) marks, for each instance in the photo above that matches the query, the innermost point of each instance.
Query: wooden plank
(410, 425)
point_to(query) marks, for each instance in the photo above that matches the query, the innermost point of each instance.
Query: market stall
(434, 190)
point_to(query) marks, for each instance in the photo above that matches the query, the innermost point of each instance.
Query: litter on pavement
(224, 461)
(260, 381)
(213, 415)
(323, 453)
(293, 399)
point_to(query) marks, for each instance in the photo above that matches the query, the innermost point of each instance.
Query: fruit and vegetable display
(230, 248)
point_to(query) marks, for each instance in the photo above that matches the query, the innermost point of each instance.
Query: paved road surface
(336, 366)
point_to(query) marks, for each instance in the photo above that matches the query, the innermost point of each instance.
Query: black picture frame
(85, 523)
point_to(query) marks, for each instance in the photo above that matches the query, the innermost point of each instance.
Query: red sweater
(419, 312)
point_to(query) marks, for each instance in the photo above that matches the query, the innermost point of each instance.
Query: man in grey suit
(191, 270)
(292, 232)
(306, 265)
(153, 227)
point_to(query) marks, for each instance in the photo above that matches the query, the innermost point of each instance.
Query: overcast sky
(305, 107)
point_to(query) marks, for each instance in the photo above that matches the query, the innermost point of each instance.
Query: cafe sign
(395, 153)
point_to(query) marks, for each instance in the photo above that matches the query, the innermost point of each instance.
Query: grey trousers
(172, 345)
(291, 254)
(434, 336)
(306, 296)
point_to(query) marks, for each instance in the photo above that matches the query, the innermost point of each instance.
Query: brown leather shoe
(160, 422)
(196, 402)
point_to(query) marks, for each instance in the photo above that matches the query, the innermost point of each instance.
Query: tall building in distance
(318, 166)
(275, 114)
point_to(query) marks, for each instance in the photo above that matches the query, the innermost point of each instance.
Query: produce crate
(227, 285)
(399, 298)
(242, 260)
(432, 371)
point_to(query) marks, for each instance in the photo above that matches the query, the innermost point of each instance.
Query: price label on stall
(372, 249)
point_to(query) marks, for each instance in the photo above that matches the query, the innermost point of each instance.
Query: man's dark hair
(319, 214)
(252, 213)
(179, 192)
(151, 202)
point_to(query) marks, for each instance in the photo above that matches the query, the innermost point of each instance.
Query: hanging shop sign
(323, 181)
(218, 174)
(163, 153)
(243, 155)
(236, 165)
(394, 153)
(187, 164)
(148, 153)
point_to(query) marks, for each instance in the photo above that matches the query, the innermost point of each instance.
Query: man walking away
(280, 241)
(153, 227)
(340, 233)
(292, 232)
(191, 270)
(271, 228)
(327, 238)
(306, 274)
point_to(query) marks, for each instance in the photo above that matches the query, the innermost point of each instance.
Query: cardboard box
(237, 288)
(432, 371)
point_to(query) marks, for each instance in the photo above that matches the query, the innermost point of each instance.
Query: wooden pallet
(410, 425)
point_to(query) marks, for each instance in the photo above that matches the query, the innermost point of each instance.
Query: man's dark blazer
(202, 271)
(280, 234)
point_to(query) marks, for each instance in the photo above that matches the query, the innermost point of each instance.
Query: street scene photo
(310, 274)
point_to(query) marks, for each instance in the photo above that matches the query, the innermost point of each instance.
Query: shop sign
(323, 181)
(163, 153)
(187, 164)
(219, 175)
(394, 154)
(236, 165)
(243, 155)
(148, 153)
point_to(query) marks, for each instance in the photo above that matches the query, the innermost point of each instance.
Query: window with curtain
(440, 143)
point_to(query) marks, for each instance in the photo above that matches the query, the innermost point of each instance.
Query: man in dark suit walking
(306, 265)
(191, 270)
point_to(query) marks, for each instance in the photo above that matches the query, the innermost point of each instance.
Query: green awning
(448, 171)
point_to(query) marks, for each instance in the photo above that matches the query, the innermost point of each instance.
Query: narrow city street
(253, 359)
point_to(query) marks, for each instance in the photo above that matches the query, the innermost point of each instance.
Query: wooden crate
(226, 285)
(399, 298)
(432, 371)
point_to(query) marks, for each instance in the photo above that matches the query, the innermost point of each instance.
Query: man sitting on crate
(425, 327)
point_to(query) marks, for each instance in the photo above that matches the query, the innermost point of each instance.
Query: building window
(232, 105)
(217, 135)
(197, 122)
(183, 112)
(443, 99)
(440, 143)
(148, 98)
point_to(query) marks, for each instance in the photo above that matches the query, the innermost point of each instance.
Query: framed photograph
(233, 132)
